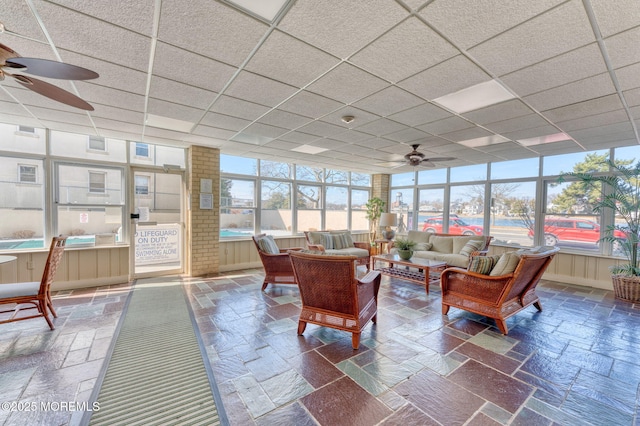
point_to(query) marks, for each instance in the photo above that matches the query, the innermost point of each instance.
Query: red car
(567, 229)
(457, 226)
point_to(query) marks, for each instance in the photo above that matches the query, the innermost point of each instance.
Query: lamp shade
(389, 219)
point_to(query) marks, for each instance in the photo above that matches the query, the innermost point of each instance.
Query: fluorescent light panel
(309, 149)
(168, 123)
(539, 140)
(268, 9)
(475, 97)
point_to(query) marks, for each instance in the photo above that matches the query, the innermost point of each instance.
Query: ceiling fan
(416, 158)
(11, 61)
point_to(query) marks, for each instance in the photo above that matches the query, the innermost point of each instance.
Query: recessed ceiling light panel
(169, 123)
(309, 149)
(267, 9)
(475, 97)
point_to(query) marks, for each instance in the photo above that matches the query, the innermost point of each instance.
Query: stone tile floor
(576, 363)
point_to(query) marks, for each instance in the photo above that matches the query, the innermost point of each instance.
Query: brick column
(203, 226)
(381, 188)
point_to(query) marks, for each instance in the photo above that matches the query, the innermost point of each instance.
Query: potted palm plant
(375, 208)
(404, 247)
(620, 194)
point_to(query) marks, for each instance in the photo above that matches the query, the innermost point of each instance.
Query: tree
(375, 208)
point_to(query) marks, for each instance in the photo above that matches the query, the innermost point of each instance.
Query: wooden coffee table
(421, 271)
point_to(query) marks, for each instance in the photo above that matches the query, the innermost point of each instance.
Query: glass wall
(295, 198)
(54, 182)
(506, 199)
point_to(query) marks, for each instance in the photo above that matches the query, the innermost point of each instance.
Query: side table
(381, 244)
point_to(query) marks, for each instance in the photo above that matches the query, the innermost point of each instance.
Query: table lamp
(388, 220)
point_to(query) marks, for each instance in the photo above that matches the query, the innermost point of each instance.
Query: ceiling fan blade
(427, 163)
(437, 159)
(52, 92)
(51, 69)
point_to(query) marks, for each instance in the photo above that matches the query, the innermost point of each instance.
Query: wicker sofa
(340, 243)
(456, 250)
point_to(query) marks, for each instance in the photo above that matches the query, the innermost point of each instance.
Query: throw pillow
(482, 264)
(442, 244)
(268, 245)
(327, 241)
(423, 247)
(471, 246)
(506, 265)
(341, 241)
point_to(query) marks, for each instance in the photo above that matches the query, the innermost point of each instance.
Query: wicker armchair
(331, 294)
(497, 297)
(277, 266)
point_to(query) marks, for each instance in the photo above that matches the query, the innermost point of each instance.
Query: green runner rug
(156, 374)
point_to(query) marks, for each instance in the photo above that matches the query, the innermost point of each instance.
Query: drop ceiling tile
(347, 83)
(238, 108)
(179, 93)
(612, 20)
(30, 48)
(583, 109)
(209, 141)
(554, 32)
(213, 132)
(310, 105)
(95, 38)
(466, 134)
(299, 137)
(389, 101)
(284, 119)
(503, 111)
(341, 30)
(380, 127)
(283, 145)
(446, 125)
(531, 133)
(597, 120)
(421, 114)
(629, 76)
(210, 29)
(270, 92)
(519, 123)
(407, 135)
(572, 93)
(352, 136)
(135, 15)
(97, 94)
(18, 17)
(603, 133)
(108, 124)
(446, 77)
(59, 116)
(557, 148)
(379, 143)
(469, 23)
(382, 56)
(327, 143)
(118, 114)
(68, 126)
(111, 75)
(174, 111)
(569, 67)
(632, 97)
(187, 67)
(349, 149)
(284, 58)
(265, 130)
(222, 121)
(321, 129)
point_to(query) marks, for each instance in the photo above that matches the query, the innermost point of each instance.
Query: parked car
(571, 230)
(457, 226)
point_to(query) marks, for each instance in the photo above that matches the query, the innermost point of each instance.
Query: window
(142, 185)
(309, 205)
(237, 202)
(97, 143)
(27, 174)
(308, 173)
(512, 209)
(142, 150)
(359, 198)
(276, 212)
(27, 129)
(97, 182)
(81, 214)
(337, 213)
(275, 169)
(238, 165)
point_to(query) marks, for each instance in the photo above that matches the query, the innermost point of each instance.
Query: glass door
(157, 222)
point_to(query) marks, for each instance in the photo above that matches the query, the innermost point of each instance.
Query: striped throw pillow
(327, 241)
(341, 241)
(483, 264)
(268, 245)
(471, 246)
